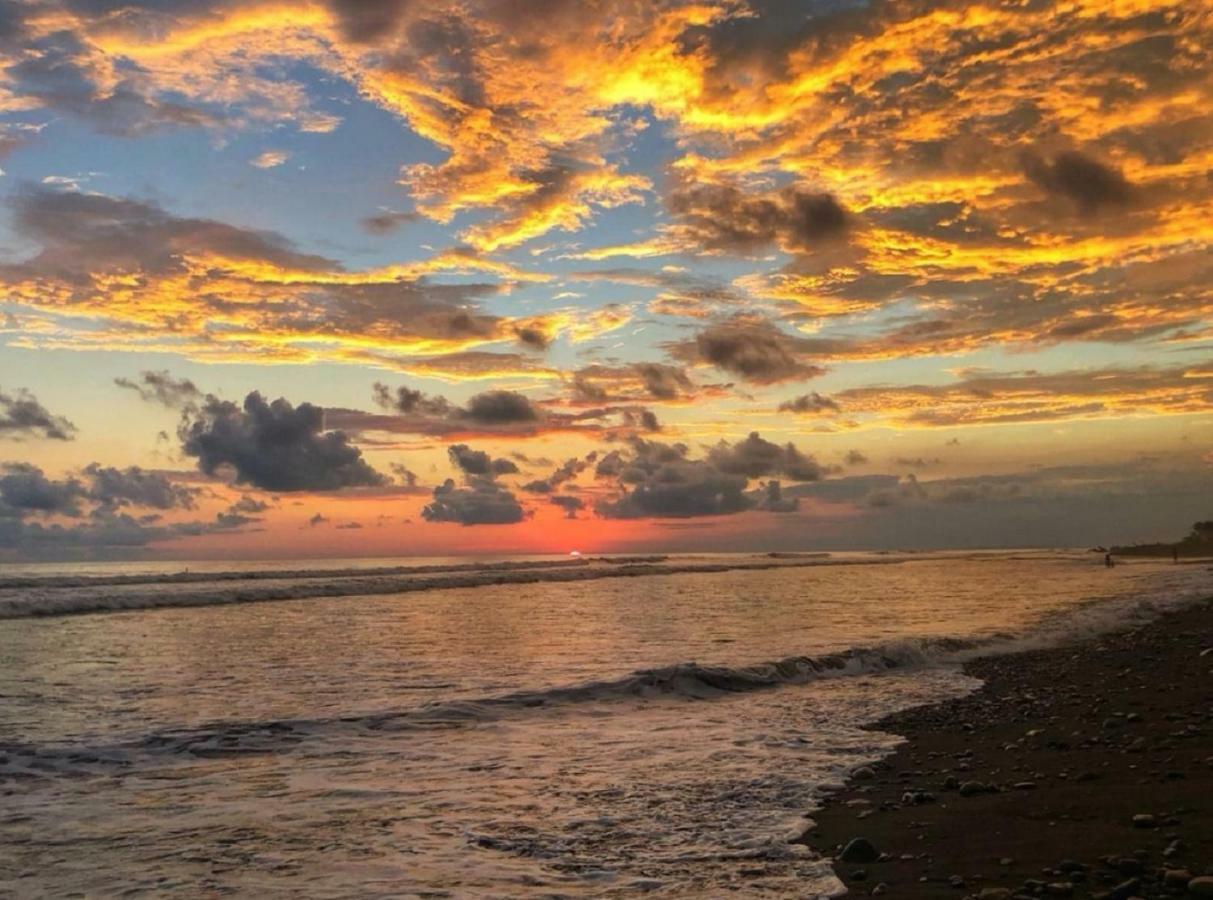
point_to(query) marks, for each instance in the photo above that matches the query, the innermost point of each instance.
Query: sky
(417, 277)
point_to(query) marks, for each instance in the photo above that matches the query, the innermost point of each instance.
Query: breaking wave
(61, 595)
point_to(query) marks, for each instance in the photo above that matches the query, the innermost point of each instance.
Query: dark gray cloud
(24, 488)
(1088, 183)
(659, 481)
(21, 415)
(478, 463)
(482, 502)
(61, 72)
(82, 235)
(811, 402)
(249, 505)
(644, 419)
(855, 458)
(274, 446)
(488, 414)
(569, 470)
(409, 401)
(532, 337)
(635, 381)
(368, 21)
(388, 222)
(404, 475)
(106, 534)
(501, 408)
(161, 387)
(662, 480)
(570, 505)
(754, 350)
(245, 511)
(492, 408)
(756, 457)
(771, 498)
(134, 486)
(726, 218)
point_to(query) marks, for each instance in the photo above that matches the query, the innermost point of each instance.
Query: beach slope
(1084, 770)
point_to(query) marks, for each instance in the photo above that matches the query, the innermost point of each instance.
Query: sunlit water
(666, 733)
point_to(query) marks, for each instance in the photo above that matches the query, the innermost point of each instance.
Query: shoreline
(1082, 770)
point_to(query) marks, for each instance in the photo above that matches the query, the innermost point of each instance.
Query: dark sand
(1030, 787)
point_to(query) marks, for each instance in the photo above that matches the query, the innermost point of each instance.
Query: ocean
(525, 727)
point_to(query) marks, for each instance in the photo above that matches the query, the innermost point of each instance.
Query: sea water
(509, 728)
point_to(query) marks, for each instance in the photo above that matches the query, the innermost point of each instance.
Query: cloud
(478, 463)
(754, 350)
(755, 457)
(566, 472)
(482, 502)
(722, 217)
(409, 401)
(772, 499)
(21, 415)
(162, 388)
(270, 159)
(656, 480)
(133, 486)
(82, 236)
(1090, 184)
(570, 505)
(25, 488)
(810, 403)
(388, 222)
(274, 446)
(916, 462)
(980, 397)
(96, 502)
(495, 413)
(149, 280)
(501, 408)
(630, 383)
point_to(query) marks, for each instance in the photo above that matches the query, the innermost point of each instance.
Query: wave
(683, 681)
(688, 681)
(70, 595)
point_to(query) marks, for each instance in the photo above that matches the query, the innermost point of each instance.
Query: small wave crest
(687, 682)
(68, 595)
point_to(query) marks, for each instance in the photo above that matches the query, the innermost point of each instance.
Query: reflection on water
(360, 746)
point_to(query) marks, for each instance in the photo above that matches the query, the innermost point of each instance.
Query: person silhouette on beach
(1107, 560)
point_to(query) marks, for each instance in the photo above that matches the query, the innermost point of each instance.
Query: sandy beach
(1084, 770)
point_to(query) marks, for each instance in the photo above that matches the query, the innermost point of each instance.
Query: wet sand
(1084, 771)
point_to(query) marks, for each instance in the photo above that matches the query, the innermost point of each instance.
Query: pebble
(1144, 820)
(1201, 886)
(1176, 877)
(860, 850)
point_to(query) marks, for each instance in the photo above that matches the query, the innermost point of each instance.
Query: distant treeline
(1199, 542)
